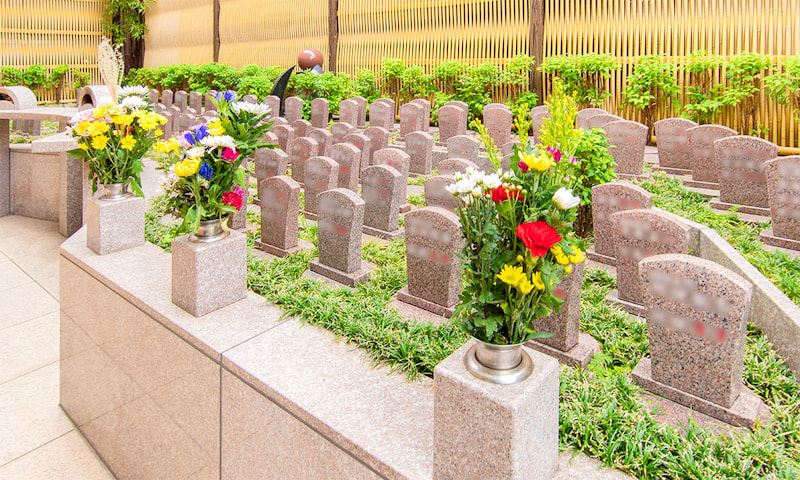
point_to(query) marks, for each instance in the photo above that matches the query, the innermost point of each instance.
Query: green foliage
(35, 76)
(516, 74)
(447, 74)
(784, 86)
(11, 76)
(595, 167)
(391, 74)
(704, 100)
(125, 18)
(365, 84)
(415, 83)
(652, 82)
(80, 78)
(744, 73)
(475, 86)
(584, 75)
(559, 131)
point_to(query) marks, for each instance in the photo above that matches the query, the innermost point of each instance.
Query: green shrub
(584, 75)
(652, 82)
(744, 73)
(704, 100)
(784, 86)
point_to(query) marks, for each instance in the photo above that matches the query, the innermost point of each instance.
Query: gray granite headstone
(436, 194)
(274, 104)
(207, 103)
(457, 103)
(540, 109)
(419, 146)
(323, 138)
(152, 96)
(586, 114)
(380, 189)
(196, 102)
(450, 166)
(626, 141)
(180, 100)
(167, 97)
(250, 99)
(349, 159)
(363, 143)
(426, 113)
(301, 127)
(741, 160)
(411, 115)
(673, 143)
(498, 119)
(379, 139)
(285, 135)
(292, 109)
(320, 112)
(300, 150)
(783, 185)
(464, 147)
(397, 159)
(433, 242)
(702, 159)
(381, 114)
(537, 122)
(610, 198)
(452, 122)
(339, 130)
(280, 201)
(348, 111)
(321, 174)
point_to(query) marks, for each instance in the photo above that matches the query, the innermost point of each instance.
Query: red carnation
(234, 198)
(538, 237)
(501, 194)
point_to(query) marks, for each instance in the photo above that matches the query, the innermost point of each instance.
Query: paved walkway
(37, 440)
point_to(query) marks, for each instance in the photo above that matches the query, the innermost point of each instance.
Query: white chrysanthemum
(461, 186)
(133, 90)
(134, 102)
(492, 181)
(195, 152)
(212, 141)
(254, 108)
(565, 200)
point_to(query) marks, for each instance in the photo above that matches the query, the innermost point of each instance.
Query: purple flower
(573, 160)
(201, 132)
(206, 171)
(228, 96)
(189, 136)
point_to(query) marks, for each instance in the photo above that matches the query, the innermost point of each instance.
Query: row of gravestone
(696, 310)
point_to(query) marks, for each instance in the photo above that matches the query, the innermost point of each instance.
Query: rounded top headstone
(309, 58)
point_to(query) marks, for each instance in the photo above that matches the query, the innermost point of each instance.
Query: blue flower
(201, 132)
(230, 96)
(205, 171)
(189, 138)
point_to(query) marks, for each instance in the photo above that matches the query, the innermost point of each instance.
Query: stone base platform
(768, 237)
(673, 171)
(706, 192)
(406, 207)
(279, 252)
(338, 276)
(599, 257)
(416, 314)
(749, 209)
(375, 232)
(578, 356)
(629, 176)
(747, 411)
(632, 308)
(701, 184)
(434, 308)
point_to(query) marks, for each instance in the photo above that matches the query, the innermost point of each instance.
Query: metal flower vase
(502, 364)
(210, 231)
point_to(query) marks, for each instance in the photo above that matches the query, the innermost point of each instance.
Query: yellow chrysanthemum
(149, 122)
(511, 275)
(81, 127)
(158, 132)
(559, 254)
(187, 167)
(122, 120)
(539, 163)
(537, 281)
(127, 143)
(577, 255)
(525, 286)
(97, 128)
(99, 142)
(83, 146)
(568, 269)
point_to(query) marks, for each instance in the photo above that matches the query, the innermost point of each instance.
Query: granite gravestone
(673, 145)
(411, 115)
(348, 157)
(301, 127)
(433, 241)
(451, 166)
(285, 135)
(607, 199)
(270, 162)
(363, 144)
(380, 189)
(348, 111)
(167, 97)
(399, 160)
(196, 102)
(300, 150)
(626, 142)
(464, 147)
(452, 122)
(274, 104)
(537, 122)
(321, 175)
(436, 194)
(292, 109)
(586, 114)
(540, 109)
(320, 112)
(362, 111)
(152, 96)
(208, 103)
(340, 221)
(702, 159)
(697, 314)
(498, 119)
(323, 138)
(783, 186)
(639, 234)
(180, 100)
(250, 99)
(742, 180)
(419, 147)
(457, 103)
(339, 130)
(600, 120)
(426, 113)
(381, 114)
(379, 139)
(279, 208)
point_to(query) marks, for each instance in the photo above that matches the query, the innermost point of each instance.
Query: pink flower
(230, 154)
(555, 153)
(523, 166)
(234, 198)
(573, 160)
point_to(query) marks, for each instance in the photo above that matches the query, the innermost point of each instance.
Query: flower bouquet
(114, 138)
(205, 164)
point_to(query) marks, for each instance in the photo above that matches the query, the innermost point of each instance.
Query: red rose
(538, 237)
(234, 198)
(500, 194)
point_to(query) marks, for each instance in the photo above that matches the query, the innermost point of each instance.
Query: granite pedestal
(114, 225)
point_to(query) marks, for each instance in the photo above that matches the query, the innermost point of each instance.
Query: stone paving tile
(65, 458)
(23, 303)
(11, 275)
(28, 346)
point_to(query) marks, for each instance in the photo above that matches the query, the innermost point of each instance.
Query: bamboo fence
(50, 33)
(179, 31)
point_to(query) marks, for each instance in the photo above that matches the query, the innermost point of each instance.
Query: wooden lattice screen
(180, 31)
(50, 33)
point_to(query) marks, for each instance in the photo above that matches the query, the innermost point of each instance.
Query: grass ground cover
(599, 409)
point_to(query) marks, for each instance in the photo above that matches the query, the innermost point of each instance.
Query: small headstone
(196, 102)
(537, 122)
(348, 111)
(364, 144)
(457, 103)
(426, 112)
(607, 199)
(320, 112)
(626, 141)
(673, 144)
(278, 121)
(783, 185)
(323, 137)
(411, 115)
(292, 109)
(186, 121)
(274, 104)
(380, 189)
(498, 119)
(300, 150)
(180, 100)
(381, 114)
(697, 313)
(464, 147)
(585, 114)
(207, 103)
(600, 120)
(340, 221)
(540, 109)
(362, 111)
(640, 234)
(452, 122)
(339, 130)
(450, 166)
(167, 97)
(250, 99)
(348, 157)
(321, 174)
(301, 127)
(433, 242)
(419, 147)
(741, 159)
(152, 96)
(436, 194)
(399, 160)
(379, 139)
(270, 162)
(701, 151)
(285, 135)
(280, 201)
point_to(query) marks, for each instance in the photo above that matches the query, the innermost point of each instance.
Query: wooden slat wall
(50, 33)
(180, 31)
(628, 29)
(271, 32)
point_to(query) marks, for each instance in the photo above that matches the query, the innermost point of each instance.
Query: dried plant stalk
(110, 63)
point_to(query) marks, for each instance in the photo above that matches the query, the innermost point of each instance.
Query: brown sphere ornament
(309, 58)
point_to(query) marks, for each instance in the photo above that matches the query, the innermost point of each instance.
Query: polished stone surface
(300, 150)
(114, 225)
(381, 190)
(436, 194)
(419, 147)
(783, 186)
(320, 112)
(321, 175)
(348, 157)
(584, 115)
(452, 122)
(673, 143)
(34, 184)
(626, 142)
(607, 199)
(702, 159)
(741, 161)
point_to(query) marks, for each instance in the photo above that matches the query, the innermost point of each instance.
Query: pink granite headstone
(180, 100)
(292, 109)
(285, 135)
(274, 104)
(783, 186)
(610, 198)
(339, 130)
(436, 194)
(380, 189)
(320, 112)
(411, 117)
(399, 160)
(419, 146)
(196, 102)
(673, 143)
(498, 119)
(363, 144)
(426, 113)
(362, 111)
(323, 138)
(464, 147)
(702, 159)
(626, 141)
(270, 162)
(167, 97)
(381, 114)
(600, 120)
(300, 150)
(348, 111)
(741, 159)
(301, 127)
(451, 166)
(207, 103)
(452, 122)
(585, 114)
(280, 201)
(348, 157)
(537, 122)
(540, 109)
(379, 139)
(321, 174)
(250, 99)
